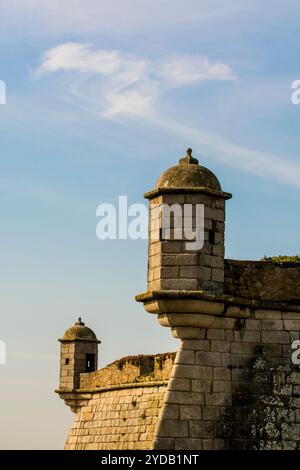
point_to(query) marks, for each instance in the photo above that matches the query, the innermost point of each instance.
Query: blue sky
(100, 100)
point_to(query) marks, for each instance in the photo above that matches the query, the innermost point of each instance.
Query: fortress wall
(143, 368)
(235, 387)
(119, 405)
(262, 280)
(119, 418)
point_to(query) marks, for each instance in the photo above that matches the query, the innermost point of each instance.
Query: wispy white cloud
(82, 58)
(124, 83)
(128, 84)
(262, 164)
(137, 101)
(131, 86)
(191, 69)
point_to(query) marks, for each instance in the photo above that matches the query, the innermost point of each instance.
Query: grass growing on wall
(283, 260)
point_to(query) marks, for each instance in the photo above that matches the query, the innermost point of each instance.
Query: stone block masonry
(233, 383)
(236, 388)
(170, 264)
(119, 418)
(263, 280)
(117, 407)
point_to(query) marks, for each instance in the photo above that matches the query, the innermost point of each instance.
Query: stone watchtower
(183, 193)
(78, 354)
(234, 383)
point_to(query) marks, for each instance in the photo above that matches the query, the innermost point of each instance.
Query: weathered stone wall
(73, 362)
(262, 280)
(170, 265)
(119, 418)
(117, 407)
(235, 387)
(131, 369)
(67, 371)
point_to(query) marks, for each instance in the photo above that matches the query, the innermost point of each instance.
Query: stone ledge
(199, 189)
(227, 300)
(81, 392)
(78, 398)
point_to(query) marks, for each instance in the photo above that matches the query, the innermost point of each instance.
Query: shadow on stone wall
(265, 405)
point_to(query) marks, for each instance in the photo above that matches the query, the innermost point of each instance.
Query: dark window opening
(67, 361)
(211, 237)
(211, 233)
(90, 362)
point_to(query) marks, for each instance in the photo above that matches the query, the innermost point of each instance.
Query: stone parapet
(130, 369)
(263, 280)
(126, 373)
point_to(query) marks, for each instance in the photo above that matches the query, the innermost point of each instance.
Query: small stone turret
(78, 354)
(173, 262)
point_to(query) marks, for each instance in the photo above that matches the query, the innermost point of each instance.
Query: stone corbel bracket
(187, 312)
(75, 399)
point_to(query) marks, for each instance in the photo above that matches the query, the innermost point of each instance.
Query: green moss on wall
(283, 260)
